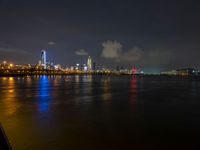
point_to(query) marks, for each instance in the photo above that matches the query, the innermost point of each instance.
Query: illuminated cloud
(113, 50)
(81, 52)
(133, 54)
(51, 43)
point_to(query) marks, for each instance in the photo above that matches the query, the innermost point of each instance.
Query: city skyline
(154, 35)
(89, 65)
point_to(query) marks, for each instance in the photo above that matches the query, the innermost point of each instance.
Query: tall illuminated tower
(44, 59)
(89, 63)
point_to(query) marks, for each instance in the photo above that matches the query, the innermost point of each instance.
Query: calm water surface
(100, 112)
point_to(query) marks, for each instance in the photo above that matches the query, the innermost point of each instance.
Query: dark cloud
(11, 50)
(14, 55)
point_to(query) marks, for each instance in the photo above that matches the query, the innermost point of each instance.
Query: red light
(134, 70)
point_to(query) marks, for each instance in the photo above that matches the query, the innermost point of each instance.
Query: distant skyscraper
(94, 66)
(89, 63)
(44, 59)
(40, 62)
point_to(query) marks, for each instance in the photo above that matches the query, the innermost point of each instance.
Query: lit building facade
(44, 59)
(89, 63)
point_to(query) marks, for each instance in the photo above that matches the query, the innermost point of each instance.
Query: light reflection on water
(106, 95)
(82, 112)
(10, 101)
(133, 96)
(44, 94)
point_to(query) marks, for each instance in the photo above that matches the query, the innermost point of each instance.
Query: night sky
(150, 34)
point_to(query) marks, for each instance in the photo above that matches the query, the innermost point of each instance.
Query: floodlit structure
(89, 63)
(44, 59)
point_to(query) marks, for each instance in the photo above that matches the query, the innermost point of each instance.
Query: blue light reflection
(44, 96)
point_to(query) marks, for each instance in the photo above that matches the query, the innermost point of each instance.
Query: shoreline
(99, 74)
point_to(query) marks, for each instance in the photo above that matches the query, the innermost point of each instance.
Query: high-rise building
(94, 66)
(89, 63)
(44, 59)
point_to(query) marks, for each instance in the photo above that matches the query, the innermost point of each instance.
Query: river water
(100, 112)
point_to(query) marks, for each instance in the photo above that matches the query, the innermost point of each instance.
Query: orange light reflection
(9, 97)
